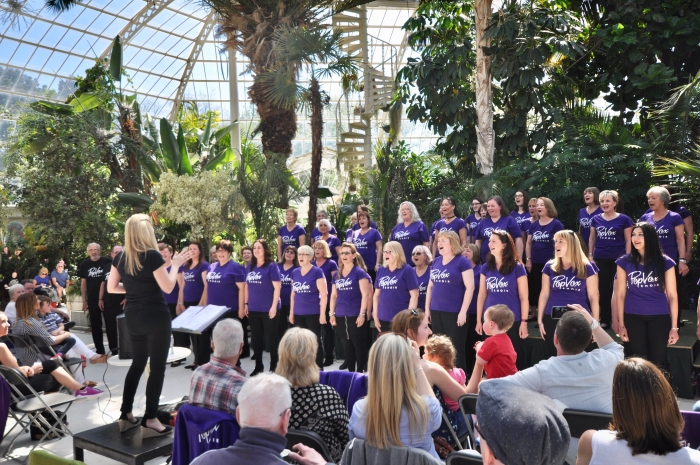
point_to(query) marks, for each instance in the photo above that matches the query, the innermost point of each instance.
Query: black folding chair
(34, 406)
(45, 348)
(467, 404)
(309, 439)
(582, 420)
(463, 457)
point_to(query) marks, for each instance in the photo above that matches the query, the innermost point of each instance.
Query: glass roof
(41, 54)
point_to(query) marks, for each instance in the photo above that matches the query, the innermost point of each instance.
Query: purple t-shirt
(505, 223)
(260, 288)
(329, 267)
(503, 289)
(365, 245)
(422, 286)
(307, 299)
(172, 297)
(395, 286)
(472, 222)
(194, 285)
(349, 297)
(584, 222)
(448, 285)
(566, 288)
(316, 234)
(333, 242)
(610, 236)
(291, 237)
(542, 249)
(456, 225)
(477, 285)
(433, 228)
(409, 237)
(356, 226)
(644, 297)
(525, 225)
(681, 210)
(222, 284)
(666, 229)
(519, 217)
(286, 280)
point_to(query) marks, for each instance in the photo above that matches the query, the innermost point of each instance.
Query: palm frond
(281, 88)
(59, 6)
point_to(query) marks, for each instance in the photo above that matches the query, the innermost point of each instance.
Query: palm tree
(484, 94)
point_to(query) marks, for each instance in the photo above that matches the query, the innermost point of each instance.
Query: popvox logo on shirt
(289, 240)
(604, 232)
(494, 284)
(254, 277)
(540, 236)
(585, 222)
(95, 272)
(401, 235)
(566, 284)
(300, 287)
(422, 289)
(286, 279)
(388, 282)
(643, 280)
(214, 277)
(487, 232)
(188, 275)
(440, 276)
(343, 284)
(361, 243)
(662, 231)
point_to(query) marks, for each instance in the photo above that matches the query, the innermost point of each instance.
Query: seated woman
(44, 376)
(400, 409)
(42, 279)
(315, 407)
(646, 422)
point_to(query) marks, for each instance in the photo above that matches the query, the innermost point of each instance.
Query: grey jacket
(358, 452)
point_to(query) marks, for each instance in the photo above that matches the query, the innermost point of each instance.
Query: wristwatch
(595, 324)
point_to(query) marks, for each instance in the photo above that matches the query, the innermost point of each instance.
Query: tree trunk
(484, 95)
(316, 149)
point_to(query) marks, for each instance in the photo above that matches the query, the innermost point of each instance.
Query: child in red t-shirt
(496, 354)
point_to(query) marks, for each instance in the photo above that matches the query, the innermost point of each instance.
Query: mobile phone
(558, 311)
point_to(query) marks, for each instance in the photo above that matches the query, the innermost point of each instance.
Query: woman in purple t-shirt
(262, 304)
(647, 302)
(498, 218)
(450, 292)
(421, 260)
(192, 281)
(325, 234)
(504, 281)
(473, 253)
(323, 260)
(396, 287)
(409, 231)
(592, 208)
(450, 221)
(520, 212)
(290, 234)
(287, 266)
(669, 226)
(350, 299)
(568, 279)
(368, 242)
(472, 221)
(540, 246)
(309, 298)
(609, 239)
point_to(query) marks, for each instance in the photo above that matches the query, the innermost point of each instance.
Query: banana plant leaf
(185, 165)
(169, 147)
(223, 130)
(115, 62)
(87, 101)
(135, 200)
(207, 133)
(222, 158)
(52, 108)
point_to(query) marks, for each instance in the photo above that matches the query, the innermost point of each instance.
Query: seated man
(264, 408)
(215, 385)
(11, 311)
(519, 426)
(578, 379)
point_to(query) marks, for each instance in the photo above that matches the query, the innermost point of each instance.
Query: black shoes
(344, 366)
(257, 371)
(328, 362)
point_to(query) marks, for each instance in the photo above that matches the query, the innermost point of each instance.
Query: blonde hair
(357, 259)
(307, 250)
(43, 269)
(455, 245)
(326, 248)
(293, 210)
(297, 357)
(574, 254)
(535, 215)
(397, 251)
(441, 348)
(392, 390)
(25, 306)
(612, 194)
(138, 238)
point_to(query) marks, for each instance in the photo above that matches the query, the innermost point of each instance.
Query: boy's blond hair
(501, 315)
(441, 348)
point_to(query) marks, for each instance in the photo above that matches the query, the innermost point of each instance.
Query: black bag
(126, 352)
(36, 434)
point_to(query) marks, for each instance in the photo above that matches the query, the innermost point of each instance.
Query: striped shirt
(31, 327)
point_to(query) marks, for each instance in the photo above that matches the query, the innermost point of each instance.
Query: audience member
(580, 380)
(215, 385)
(59, 279)
(92, 273)
(440, 350)
(518, 426)
(400, 409)
(42, 279)
(646, 423)
(264, 408)
(15, 291)
(315, 407)
(113, 307)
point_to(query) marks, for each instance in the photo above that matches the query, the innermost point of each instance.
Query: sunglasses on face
(415, 254)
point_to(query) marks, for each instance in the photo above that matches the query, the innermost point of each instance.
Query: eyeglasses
(345, 253)
(388, 251)
(417, 253)
(289, 251)
(304, 254)
(518, 195)
(318, 248)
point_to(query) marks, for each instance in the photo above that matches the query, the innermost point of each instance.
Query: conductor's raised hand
(180, 259)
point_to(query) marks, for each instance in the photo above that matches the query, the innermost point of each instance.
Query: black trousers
(355, 342)
(264, 330)
(283, 320)
(518, 345)
(472, 338)
(534, 283)
(328, 335)
(113, 308)
(95, 315)
(201, 343)
(179, 339)
(149, 329)
(648, 337)
(446, 323)
(550, 325)
(312, 323)
(606, 282)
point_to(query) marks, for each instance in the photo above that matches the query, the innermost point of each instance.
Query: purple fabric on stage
(349, 294)
(477, 285)
(329, 267)
(395, 290)
(194, 285)
(410, 236)
(366, 246)
(566, 288)
(422, 286)
(316, 234)
(691, 429)
(487, 226)
(291, 237)
(542, 249)
(666, 229)
(644, 297)
(503, 289)
(286, 280)
(448, 286)
(172, 297)
(222, 284)
(306, 296)
(584, 221)
(260, 288)
(610, 236)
